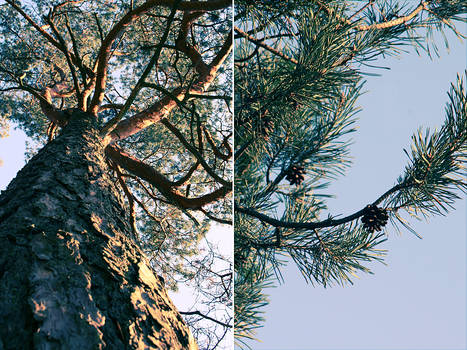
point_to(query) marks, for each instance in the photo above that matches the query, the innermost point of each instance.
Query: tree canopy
(299, 70)
(156, 76)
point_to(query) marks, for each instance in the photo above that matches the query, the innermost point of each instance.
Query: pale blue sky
(417, 301)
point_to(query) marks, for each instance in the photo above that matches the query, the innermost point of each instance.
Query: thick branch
(105, 49)
(54, 114)
(396, 21)
(145, 118)
(182, 44)
(149, 174)
(164, 106)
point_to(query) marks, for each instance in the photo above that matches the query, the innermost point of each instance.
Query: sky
(418, 300)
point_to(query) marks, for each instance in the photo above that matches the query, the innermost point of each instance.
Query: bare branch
(110, 106)
(396, 21)
(210, 97)
(182, 44)
(76, 51)
(206, 317)
(187, 176)
(215, 149)
(214, 218)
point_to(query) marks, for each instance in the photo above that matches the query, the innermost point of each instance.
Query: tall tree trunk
(70, 276)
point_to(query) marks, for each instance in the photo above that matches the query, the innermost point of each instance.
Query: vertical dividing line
(233, 168)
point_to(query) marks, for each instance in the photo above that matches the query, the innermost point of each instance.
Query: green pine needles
(298, 74)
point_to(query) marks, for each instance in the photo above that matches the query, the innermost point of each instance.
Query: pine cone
(374, 218)
(295, 174)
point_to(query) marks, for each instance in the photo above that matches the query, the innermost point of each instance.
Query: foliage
(153, 73)
(299, 70)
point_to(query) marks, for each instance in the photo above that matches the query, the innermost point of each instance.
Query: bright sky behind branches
(418, 300)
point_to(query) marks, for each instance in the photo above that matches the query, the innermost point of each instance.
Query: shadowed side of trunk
(70, 276)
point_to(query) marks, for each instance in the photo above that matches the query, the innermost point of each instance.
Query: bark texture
(70, 276)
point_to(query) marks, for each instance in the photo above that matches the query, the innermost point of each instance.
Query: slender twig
(361, 9)
(215, 149)
(187, 176)
(76, 50)
(206, 317)
(259, 42)
(214, 218)
(195, 152)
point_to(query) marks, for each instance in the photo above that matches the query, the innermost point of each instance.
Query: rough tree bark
(70, 276)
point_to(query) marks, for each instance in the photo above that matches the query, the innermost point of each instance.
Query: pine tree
(128, 104)
(299, 68)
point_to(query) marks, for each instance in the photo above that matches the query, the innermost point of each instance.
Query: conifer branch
(165, 105)
(44, 33)
(396, 21)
